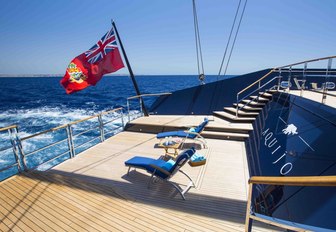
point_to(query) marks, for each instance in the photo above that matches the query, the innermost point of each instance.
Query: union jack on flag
(105, 45)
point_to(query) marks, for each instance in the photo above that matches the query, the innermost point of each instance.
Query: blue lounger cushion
(175, 134)
(154, 165)
(148, 164)
(183, 134)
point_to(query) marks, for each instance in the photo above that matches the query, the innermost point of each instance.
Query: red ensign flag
(89, 67)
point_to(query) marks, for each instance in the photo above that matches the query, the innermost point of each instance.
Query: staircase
(246, 110)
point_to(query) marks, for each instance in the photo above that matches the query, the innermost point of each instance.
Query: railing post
(324, 95)
(248, 220)
(303, 78)
(101, 127)
(237, 105)
(279, 79)
(70, 141)
(289, 78)
(128, 111)
(122, 120)
(140, 103)
(17, 148)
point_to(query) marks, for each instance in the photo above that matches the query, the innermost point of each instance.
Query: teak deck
(93, 193)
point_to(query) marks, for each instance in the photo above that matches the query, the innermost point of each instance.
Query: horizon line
(109, 75)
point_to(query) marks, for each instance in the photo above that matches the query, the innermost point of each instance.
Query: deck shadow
(160, 195)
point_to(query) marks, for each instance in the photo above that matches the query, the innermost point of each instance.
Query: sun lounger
(164, 170)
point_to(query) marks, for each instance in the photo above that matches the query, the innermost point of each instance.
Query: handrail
(8, 127)
(295, 180)
(316, 181)
(310, 71)
(241, 107)
(110, 111)
(43, 132)
(281, 67)
(94, 116)
(278, 69)
(263, 77)
(71, 123)
(307, 61)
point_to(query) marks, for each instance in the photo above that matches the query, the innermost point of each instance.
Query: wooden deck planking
(121, 204)
(20, 211)
(57, 205)
(92, 191)
(150, 218)
(39, 196)
(104, 169)
(107, 219)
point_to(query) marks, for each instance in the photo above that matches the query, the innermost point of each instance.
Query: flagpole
(131, 72)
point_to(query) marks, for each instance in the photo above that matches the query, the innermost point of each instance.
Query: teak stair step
(224, 135)
(247, 108)
(232, 118)
(226, 130)
(265, 94)
(254, 103)
(241, 113)
(259, 99)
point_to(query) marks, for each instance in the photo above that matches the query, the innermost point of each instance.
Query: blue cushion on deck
(145, 163)
(180, 134)
(201, 126)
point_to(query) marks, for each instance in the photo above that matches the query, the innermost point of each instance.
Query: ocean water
(40, 103)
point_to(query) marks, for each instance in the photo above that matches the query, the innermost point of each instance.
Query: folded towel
(192, 129)
(168, 143)
(197, 157)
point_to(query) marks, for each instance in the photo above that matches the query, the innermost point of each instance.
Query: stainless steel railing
(326, 73)
(70, 139)
(254, 91)
(23, 154)
(11, 132)
(312, 181)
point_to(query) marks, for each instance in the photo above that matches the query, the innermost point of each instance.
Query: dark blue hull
(292, 136)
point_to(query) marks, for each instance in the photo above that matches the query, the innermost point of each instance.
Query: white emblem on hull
(290, 130)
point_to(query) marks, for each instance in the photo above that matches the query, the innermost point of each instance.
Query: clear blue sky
(40, 36)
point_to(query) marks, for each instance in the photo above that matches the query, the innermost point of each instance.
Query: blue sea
(37, 104)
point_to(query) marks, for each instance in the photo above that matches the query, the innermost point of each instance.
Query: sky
(42, 37)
